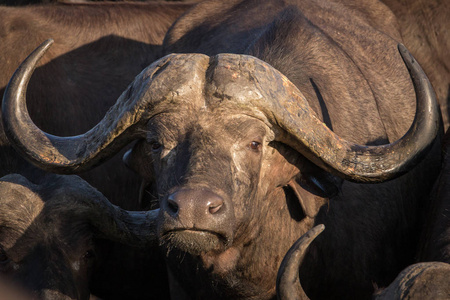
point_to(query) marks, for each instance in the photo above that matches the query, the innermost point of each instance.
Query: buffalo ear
(313, 191)
(138, 161)
(309, 202)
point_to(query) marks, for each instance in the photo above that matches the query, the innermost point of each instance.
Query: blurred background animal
(62, 239)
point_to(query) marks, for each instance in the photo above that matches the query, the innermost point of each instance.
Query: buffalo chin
(194, 242)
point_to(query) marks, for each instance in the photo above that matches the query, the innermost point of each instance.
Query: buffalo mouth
(194, 241)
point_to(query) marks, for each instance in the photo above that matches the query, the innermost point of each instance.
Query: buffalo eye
(89, 255)
(156, 147)
(88, 258)
(255, 146)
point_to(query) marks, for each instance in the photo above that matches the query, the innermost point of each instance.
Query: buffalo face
(211, 172)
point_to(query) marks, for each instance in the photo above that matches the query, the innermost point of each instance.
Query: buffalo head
(219, 137)
(48, 234)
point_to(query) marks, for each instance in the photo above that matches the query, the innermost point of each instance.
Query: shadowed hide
(435, 242)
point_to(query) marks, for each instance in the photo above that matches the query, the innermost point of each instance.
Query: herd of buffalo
(225, 149)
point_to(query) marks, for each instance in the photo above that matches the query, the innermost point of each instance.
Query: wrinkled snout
(197, 220)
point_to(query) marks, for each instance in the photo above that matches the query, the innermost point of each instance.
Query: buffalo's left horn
(288, 283)
(58, 154)
(147, 96)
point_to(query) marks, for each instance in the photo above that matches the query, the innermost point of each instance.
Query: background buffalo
(62, 239)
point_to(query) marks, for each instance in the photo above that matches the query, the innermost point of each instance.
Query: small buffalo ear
(128, 160)
(314, 190)
(309, 202)
(137, 160)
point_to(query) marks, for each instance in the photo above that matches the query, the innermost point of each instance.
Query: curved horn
(288, 283)
(58, 154)
(284, 107)
(375, 163)
(122, 124)
(137, 228)
(81, 199)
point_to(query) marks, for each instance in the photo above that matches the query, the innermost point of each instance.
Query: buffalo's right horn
(293, 120)
(288, 283)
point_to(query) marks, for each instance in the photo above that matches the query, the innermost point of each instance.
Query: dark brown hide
(99, 50)
(435, 245)
(28, 2)
(11, 291)
(60, 239)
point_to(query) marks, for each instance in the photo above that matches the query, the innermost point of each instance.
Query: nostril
(215, 207)
(172, 206)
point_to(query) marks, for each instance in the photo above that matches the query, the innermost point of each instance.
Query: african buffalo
(59, 239)
(278, 120)
(426, 280)
(100, 48)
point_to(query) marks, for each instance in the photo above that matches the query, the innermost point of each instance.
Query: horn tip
(47, 43)
(319, 228)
